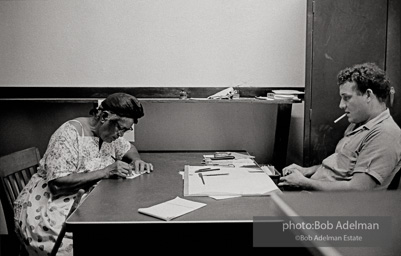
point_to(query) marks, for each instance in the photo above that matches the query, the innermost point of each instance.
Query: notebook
(171, 209)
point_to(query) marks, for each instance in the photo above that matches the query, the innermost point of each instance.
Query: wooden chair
(16, 170)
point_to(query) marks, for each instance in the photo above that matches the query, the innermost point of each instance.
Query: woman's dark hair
(122, 104)
(366, 76)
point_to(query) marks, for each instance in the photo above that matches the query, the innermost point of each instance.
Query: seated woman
(80, 153)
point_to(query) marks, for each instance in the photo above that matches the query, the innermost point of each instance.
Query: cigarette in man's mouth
(341, 117)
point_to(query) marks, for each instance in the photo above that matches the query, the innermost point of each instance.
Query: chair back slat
(25, 176)
(9, 195)
(31, 171)
(19, 181)
(12, 187)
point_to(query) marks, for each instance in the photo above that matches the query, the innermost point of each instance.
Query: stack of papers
(232, 159)
(282, 95)
(287, 94)
(171, 209)
(226, 181)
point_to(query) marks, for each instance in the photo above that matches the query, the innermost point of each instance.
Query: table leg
(281, 136)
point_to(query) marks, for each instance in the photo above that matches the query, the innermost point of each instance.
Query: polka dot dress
(38, 215)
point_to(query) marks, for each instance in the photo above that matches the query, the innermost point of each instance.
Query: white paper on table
(134, 175)
(223, 197)
(239, 181)
(171, 209)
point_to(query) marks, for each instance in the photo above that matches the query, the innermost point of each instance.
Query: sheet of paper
(171, 209)
(224, 197)
(263, 98)
(288, 92)
(134, 175)
(235, 181)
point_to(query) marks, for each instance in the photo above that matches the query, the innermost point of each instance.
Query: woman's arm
(70, 184)
(131, 155)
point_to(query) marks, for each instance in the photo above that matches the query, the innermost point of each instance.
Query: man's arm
(359, 181)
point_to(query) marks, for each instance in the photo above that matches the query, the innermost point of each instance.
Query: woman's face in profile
(115, 127)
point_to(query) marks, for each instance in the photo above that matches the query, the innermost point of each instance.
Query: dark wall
(26, 124)
(166, 126)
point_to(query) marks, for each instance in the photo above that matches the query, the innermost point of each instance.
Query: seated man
(367, 156)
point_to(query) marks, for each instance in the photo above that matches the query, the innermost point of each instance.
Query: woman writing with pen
(80, 153)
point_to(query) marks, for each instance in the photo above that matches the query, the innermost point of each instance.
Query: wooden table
(108, 220)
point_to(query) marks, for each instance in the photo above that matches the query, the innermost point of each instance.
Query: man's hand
(306, 171)
(293, 178)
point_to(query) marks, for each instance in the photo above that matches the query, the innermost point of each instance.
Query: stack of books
(287, 94)
(232, 159)
(293, 95)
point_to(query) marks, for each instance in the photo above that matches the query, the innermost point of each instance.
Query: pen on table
(341, 117)
(216, 174)
(229, 165)
(201, 176)
(207, 170)
(115, 159)
(250, 166)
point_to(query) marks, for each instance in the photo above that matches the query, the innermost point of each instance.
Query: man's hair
(366, 76)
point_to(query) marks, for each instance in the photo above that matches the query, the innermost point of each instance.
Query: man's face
(354, 103)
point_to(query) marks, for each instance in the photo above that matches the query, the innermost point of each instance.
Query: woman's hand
(118, 168)
(140, 166)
